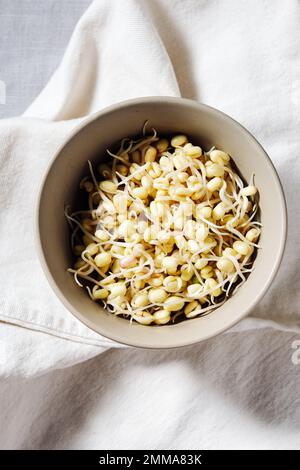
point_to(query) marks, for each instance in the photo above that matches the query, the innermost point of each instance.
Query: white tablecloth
(238, 390)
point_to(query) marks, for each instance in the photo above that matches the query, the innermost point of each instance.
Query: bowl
(207, 127)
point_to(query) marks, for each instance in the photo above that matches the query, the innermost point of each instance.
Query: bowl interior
(206, 127)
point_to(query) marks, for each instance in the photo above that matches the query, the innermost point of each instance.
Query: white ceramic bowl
(207, 127)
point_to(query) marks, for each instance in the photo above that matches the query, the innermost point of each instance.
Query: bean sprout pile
(168, 231)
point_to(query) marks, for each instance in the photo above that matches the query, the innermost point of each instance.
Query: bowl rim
(115, 107)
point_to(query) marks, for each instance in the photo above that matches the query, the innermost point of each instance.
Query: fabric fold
(115, 53)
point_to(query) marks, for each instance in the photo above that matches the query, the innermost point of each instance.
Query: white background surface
(34, 35)
(239, 390)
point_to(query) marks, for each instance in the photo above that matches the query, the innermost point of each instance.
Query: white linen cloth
(239, 390)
